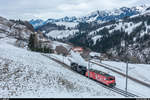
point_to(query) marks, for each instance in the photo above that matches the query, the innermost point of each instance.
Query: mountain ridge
(98, 15)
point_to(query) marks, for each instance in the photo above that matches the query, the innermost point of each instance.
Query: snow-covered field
(60, 34)
(67, 24)
(135, 70)
(26, 74)
(2, 35)
(56, 43)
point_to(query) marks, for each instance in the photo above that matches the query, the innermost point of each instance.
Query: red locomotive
(99, 76)
(102, 77)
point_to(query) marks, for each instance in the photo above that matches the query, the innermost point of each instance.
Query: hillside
(68, 26)
(26, 74)
(17, 29)
(110, 37)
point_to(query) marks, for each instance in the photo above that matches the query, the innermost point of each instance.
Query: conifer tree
(31, 42)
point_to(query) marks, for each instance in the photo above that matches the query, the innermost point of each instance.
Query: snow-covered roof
(95, 54)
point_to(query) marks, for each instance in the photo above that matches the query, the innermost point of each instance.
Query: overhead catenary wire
(117, 90)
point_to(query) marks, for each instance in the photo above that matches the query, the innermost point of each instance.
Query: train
(99, 76)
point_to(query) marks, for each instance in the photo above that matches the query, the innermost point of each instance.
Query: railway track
(122, 74)
(120, 91)
(114, 89)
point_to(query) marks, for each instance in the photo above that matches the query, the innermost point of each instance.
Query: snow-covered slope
(16, 30)
(56, 43)
(60, 34)
(68, 24)
(128, 27)
(26, 74)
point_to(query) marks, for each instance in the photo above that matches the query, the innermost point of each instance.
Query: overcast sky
(44, 9)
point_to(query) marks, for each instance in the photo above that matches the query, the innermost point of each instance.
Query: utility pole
(126, 56)
(43, 49)
(126, 77)
(63, 59)
(88, 67)
(49, 50)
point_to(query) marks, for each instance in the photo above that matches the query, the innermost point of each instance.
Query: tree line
(33, 45)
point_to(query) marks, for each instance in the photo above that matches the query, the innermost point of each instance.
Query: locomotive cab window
(110, 78)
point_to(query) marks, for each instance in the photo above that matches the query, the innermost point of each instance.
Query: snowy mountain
(68, 26)
(105, 31)
(104, 15)
(109, 37)
(65, 19)
(37, 22)
(114, 14)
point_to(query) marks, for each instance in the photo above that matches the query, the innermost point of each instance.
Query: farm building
(61, 50)
(77, 49)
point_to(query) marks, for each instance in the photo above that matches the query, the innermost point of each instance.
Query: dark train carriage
(78, 68)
